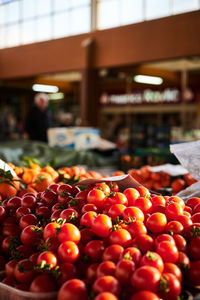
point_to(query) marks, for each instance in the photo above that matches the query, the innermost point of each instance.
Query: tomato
(113, 187)
(136, 228)
(73, 289)
(14, 202)
(10, 230)
(173, 210)
(55, 215)
(145, 295)
(88, 207)
(131, 194)
(10, 267)
(30, 235)
(116, 210)
(94, 249)
(173, 269)
(158, 200)
(50, 230)
(86, 235)
(174, 227)
(169, 286)
(134, 213)
(144, 204)
(156, 222)
(53, 187)
(146, 277)
(103, 187)
(164, 237)
(28, 201)
(49, 258)
(63, 188)
(24, 271)
(49, 197)
(96, 197)
(43, 212)
(75, 190)
(112, 253)
(143, 242)
(192, 202)
(21, 211)
(102, 225)
(124, 270)
(195, 210)
(180, 242)
(193, 274)
(67, 271)
(194, 248)
(167, 251)
(63, 198)
(43, 283)
(2, 214)
(196, 218)
(105, 296)
(90, 274)
(68, 252)
(143, 191)
(116, 198)
(69, 232)
(87, 218)
(28, 219)
(176, 199)
(69, 215)
(152, 259)
(121, 237)
(133, 254)
(105, 268)
(107, 284)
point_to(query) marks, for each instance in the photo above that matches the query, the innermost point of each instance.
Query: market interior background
(92, 51)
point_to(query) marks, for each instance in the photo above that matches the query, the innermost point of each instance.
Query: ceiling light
(45, 88)
(56, 96)
(148, 79)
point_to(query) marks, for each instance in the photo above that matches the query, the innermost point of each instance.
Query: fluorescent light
(56, 96)
(148, 79)
(45, 88)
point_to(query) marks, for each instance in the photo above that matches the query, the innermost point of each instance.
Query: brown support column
(88, 94)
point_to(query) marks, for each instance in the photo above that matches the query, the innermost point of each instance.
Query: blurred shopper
(38, 119)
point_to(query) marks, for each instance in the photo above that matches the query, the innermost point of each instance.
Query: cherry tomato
(193, 274)
(121, 237)
(192, 202)
(105, 296)
(145, 295)
(176, 199)
(50, 230)
(167, 251)
(133, 254)
(107, 284)
(136, 228)
(24, 271)
(170, 287)
(105, 268)
(49, 258)
(30, 235)
(143, 242)
(124, 270)
(68, 252)
(146, 277)
(133, 213)
(87, 218)
(115, 211)
(43, 283)
(143, 191)
(73, 289)
(194, 248)
(158, 200)
(102, 225)
(174, 227)
(180, 242)
(28, 201)
(67, 271)
(173, 210)
(103, 187)
(156, 222)
(94, 249)
(96, 197)
(144, 204)
(131, 194)
(174, 269)
(28, 219)
(164, 237)
(116, 198)
(112, 253)
(69, 232)
(152, 259)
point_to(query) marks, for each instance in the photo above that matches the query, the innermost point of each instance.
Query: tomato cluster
(100, 243)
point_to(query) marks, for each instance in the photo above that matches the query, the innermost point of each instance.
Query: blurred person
(38, 119)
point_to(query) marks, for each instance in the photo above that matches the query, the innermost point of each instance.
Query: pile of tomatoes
(96, 242)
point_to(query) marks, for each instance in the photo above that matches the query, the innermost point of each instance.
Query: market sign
(141, 97)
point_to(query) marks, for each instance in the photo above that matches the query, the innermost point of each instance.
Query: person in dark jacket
(38, 119)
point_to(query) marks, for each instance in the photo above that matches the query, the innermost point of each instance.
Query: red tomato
(49, 197)
(143, 191)
(158, 200)
(50, 230)
(24, 271)
(167, 251)
(105, 296)
(131, 194)
(193, 274)
(145, 295)
(69, 232)
(176, 200)
(103, 187)
(107, 284)
(156, 222)
(29, 201)
(116, 210)
(10, 267)
(113, 187)
(88, 207)
(196, 218)
(116, 198)
(101, 225)
(146, 277)
(90, 274)
(105, 268)
(49, 258)
(173, 210)
(14, 202)
(174, 227)
(144, 204)
(124, 270)
(192, 202)
(152, 259)
(69, 214)
(136, 228)
(133, 213)
(94, 249)
(87, 218)
(133, 254)
(2, 214)
(96, 197)
(67, 271)
(143, 242)
(170, 286)
(43, 283)
(68, 252)
(194, 249)
(180, 242)
(86, 235)
(164, 237)
(30, 235)
(73, 289)
(121, 237)
(112, 253)
(28, 219)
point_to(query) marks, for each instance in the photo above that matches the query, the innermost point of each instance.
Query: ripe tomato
(133, 254)
(101, 225)
(28, 219)
(49, 197)
(174, 227)
(124, 270)
(105, 268)
(196, 218)
(173, 210)
(121, 237)
(116, 198)
(107, 284)
(143, 191)
(152, 259)
(116, 210)
(87, 218)
(146, 277)
(169, 286)
(28, 201)
(167, 251)
(180, 242)
(96, 197)
(67, 271)
(30, 235)
(156, 222)
(144, 204)
(49, 258)
(50, 230)
(69, 232)
(73, 289)
(131, 194)
(145, 295)
(134, 213)
(194, 248)
(94, 249)
(68, 252)
(43, 283)
(105, 296)
(176, 200)
(88, 207)
(24, 271)
(10, 267)
(103, 187)
(164, 237)
(113, 187)
(14, 203)
(174, 269)
(143, 242)
(136, 228)
(112, 253)
(158, 200)
(192, 202)
(2, 214)
(193, 274)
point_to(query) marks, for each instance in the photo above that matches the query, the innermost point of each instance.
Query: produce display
(78, 240)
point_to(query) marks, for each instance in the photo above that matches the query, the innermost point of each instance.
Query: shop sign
(142, 97)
